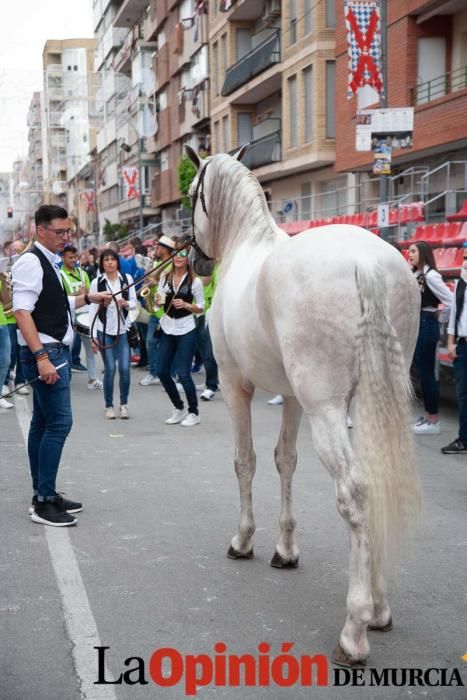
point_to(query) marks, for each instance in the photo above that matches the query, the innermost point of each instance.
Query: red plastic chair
(457, 233)
(372, 219)
(460, 215)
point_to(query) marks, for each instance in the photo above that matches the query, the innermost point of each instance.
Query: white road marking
(80, 623)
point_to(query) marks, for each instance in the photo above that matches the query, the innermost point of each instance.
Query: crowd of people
(58, 303)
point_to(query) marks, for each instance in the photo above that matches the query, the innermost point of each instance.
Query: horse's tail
(383, 439)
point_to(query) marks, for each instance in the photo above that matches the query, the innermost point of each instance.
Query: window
(164, 156)
(308, 16)
(243, 42)
(330, 99)
(292, 21)
(145, 181)
(305, 213)
(292, 82)
(330, 13)
(217, 148)
(244, 128)
(224, 52)
(215, 58)
(308, 99)
(225, 133)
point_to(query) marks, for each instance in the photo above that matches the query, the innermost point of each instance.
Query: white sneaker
(177, 416)
(179, 386)
(22, 391)
(6, 390)
(349, 422)
(191, 419)
(277, 400)
(420, 420)
(150, 379)
(427, 429)
(6, 404)
(94, 384)
(110, 413)
(208, 395)
(124, 411)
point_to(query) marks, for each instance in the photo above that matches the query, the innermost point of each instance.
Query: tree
(186, 174)
(113, 232)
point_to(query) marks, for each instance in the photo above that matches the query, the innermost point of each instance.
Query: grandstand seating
(460, 215)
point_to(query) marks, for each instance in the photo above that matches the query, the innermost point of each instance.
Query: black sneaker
(50, 513)
(454, 448)
(63, 503)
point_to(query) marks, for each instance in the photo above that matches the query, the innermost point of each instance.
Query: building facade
(427, 70)
(65, 115)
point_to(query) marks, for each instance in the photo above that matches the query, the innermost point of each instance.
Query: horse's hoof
(339, 657)
(279, 562)
(387, 627)
(234, 554)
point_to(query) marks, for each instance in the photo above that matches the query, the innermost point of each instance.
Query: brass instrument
(148, 295)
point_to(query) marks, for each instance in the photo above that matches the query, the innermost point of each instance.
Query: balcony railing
(263, 151)
(439, 87)
(253, 63)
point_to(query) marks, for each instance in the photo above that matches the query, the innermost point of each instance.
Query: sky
(25, 26)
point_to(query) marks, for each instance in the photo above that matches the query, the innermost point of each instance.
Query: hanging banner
(382, 160)
(391, 127)
(88, 200)
(131, 183)
(363, 24)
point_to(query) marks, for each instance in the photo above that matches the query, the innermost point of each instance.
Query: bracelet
(87, 299)
(44, 356)
(41, 351)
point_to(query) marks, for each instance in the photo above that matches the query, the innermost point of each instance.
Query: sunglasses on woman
(181, 254)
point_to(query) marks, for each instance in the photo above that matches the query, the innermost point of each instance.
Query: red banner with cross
(363, 24)
(88, 200)
(131, 183)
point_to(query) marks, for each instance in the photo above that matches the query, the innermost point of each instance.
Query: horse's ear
(193, 156)
(241, 152)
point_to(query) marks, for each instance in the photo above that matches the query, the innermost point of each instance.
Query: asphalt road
(146, 568)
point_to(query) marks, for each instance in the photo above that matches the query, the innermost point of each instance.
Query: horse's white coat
(326, 316)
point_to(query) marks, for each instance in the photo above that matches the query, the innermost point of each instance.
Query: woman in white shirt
(181, 295)
(434, 292)
(110, 333)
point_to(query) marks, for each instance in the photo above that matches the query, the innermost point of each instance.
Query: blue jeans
(118, 354)
(14, 357)
(5, 353)
(425, 360)
(180, 348)
(204, 346)
(152, 345)
(51, 419)
(460, 372)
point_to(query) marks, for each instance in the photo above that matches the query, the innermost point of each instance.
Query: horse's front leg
(285, 456)
(238, 397)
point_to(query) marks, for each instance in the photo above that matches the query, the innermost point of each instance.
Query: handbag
(133, 337)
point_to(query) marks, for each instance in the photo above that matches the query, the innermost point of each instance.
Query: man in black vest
(45, 332)
(457, 350)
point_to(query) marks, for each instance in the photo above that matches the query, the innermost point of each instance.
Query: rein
(199, 192)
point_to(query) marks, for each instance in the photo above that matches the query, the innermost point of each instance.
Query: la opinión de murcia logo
(168, 667)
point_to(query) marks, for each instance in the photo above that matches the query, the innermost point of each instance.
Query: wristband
(44, 356)
(87, 299)
(41, 351)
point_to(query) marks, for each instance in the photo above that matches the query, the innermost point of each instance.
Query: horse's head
(205, 252)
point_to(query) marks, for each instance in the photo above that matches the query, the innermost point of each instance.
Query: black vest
(428, 297)
(185, 293)
(102, 286)
(460, 298)
(52, 310)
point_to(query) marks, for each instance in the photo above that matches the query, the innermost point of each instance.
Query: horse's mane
(237, 207)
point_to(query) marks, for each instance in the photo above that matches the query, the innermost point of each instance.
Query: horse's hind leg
(331, 441)
(285, 455)
(238, 398)
(382, 619)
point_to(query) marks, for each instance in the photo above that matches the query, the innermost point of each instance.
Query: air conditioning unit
(272, 11)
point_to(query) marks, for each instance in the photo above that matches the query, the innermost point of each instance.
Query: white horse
(325, 317)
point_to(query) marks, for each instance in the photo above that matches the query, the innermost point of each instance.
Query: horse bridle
(199, 193)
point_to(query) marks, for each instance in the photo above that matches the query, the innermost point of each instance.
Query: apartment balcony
(258, 60)
(129, 13)
(55, 119)
(248, 10)
(161, 65)
(150, 24)
(59, 186)
(122, 60)
(55, 93)
(54, 69)
(264, 149)
(158, 11)
(58, 140)
(444, 85)
(113, 39)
